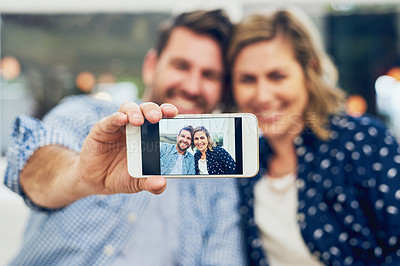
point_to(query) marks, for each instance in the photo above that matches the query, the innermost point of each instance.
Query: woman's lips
(200, 146)
(269, 116)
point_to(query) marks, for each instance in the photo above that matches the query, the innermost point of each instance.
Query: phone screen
(195, 146)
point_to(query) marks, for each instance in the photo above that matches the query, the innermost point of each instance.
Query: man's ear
(149, 67)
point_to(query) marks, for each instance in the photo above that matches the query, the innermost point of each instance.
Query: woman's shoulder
(218, 149)
(358, 137)
(197, 154)
(357, 128)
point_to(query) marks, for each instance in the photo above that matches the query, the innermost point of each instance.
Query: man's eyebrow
(176, 60)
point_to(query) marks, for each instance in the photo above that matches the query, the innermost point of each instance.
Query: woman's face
(269, 82)
(200, 141)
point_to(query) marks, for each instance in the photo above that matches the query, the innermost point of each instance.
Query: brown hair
(210, 144)
(321, 75)
(215, 24)
(187, 128)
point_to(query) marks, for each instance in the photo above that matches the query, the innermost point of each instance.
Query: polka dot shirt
(348, 195)
(219, 161)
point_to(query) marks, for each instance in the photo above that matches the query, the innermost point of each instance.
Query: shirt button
(300, 184)
(132, 217)
(109, 250)
(298, 140)
(301, 217)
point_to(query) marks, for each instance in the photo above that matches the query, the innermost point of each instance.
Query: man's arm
(38, 178)
(55, 176)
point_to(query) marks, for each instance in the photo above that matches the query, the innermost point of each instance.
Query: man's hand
(103, 163)
(55, 176)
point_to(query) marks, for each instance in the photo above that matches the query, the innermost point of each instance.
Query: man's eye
(180, 65)
(212, 75)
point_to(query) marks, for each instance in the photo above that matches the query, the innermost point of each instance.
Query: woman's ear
(314, 65)
(149, 67)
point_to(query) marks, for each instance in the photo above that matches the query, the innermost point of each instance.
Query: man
(174, 159)
(73, 174)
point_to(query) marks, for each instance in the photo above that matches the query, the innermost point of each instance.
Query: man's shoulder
(81, 105)
(87, 100)
(189, 155)
(166, 147)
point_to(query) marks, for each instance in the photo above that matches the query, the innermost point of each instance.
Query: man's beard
(179, 146)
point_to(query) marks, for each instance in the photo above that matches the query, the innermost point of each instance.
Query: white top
(203, 166)
(177, 170)
(275, 214)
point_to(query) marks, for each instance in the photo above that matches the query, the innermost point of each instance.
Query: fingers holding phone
(148, 110)
(103, 155)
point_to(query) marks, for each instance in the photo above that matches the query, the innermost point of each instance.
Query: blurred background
(51, 49)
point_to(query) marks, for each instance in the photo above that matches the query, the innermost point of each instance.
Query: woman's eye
(277, 76)
(181, 66)
(246, 79)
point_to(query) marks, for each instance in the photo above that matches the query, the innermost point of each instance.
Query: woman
(210, 159)
(328, 191)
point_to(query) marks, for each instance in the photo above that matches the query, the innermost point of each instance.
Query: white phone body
(237, 133)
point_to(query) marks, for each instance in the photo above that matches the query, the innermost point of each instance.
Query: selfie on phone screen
(199, 146)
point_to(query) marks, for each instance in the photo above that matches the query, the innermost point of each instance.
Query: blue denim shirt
(168, 157)
(96, 230)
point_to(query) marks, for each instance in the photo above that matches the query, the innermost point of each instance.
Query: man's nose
(193, 83)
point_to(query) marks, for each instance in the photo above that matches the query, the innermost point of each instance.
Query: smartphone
(194, 146)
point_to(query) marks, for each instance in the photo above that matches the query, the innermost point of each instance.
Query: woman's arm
(228, 164)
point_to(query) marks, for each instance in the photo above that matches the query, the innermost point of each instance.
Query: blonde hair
(210, 144)
(321, 75)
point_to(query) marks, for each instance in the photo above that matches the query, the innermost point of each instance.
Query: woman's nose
(265, 92)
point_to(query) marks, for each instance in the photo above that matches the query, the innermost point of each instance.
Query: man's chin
(184, 148)
(186, 110)
(187, 107)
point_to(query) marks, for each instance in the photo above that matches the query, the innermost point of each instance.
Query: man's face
(188, 73)
(184, 140)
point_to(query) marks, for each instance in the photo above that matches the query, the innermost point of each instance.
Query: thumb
(153, 184)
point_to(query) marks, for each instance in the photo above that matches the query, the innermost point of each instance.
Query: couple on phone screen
(208, 159)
